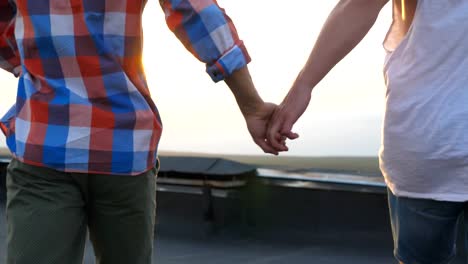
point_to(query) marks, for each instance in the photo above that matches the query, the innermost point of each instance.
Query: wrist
(303, 85)
(247, 97)
(251, 106)
(304, 82)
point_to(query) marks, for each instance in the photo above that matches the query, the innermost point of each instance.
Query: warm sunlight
(345, 113)
(403, 10)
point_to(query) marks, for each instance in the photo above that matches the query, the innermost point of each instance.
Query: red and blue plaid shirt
(83, 104)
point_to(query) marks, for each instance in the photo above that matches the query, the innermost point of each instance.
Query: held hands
(257, 123)
(286, 114)
(270, 125)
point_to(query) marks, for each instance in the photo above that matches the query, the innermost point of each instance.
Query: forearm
(243, 88)
(256, 112)
(346, 26)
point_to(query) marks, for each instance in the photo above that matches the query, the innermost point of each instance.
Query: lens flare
(403, 10)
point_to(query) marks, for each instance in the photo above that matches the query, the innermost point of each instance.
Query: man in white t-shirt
(424, 152)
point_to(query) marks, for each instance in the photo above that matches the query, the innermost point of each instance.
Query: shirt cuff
(233, 60)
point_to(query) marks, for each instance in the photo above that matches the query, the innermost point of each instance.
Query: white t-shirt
(424, 151)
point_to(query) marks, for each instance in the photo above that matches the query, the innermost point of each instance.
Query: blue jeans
(425, 231)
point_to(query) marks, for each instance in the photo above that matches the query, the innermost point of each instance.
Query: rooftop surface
(299, 226)
(273, 224)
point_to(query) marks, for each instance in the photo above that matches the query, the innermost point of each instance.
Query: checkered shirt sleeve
(208, 33)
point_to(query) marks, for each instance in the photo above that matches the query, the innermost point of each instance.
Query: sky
(344, 116)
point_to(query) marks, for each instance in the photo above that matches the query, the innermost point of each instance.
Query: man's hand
(256, 112)
(286, 115)
(257, 124)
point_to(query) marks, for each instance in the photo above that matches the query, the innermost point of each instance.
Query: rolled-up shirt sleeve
(9, 56)
(208, 33)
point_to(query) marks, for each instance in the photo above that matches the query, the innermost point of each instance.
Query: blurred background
(346, 110)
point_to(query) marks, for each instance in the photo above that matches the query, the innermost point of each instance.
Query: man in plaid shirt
(84, 130)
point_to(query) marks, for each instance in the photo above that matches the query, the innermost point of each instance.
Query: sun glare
(403, 10)
(195, 111)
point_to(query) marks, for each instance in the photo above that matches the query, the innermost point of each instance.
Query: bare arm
(347, 25)
(224, 54)
(256, 112)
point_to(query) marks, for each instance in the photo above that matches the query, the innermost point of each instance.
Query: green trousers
(50, 213)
